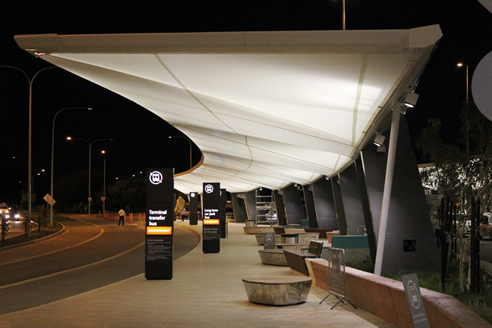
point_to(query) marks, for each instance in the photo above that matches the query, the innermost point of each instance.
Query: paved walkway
(206, 291)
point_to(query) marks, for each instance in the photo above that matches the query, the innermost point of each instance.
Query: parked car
(4, 211)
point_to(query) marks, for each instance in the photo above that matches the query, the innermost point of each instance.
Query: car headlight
(17, 216)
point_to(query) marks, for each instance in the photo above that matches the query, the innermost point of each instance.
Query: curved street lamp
(53, 158)
(467, 107)
(103, 198)
(89, 198)
(29, 151)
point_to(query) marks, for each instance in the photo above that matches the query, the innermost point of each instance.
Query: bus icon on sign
(208, 188)
(155, 177)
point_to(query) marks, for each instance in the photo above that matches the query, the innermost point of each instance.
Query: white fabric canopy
(266, 109)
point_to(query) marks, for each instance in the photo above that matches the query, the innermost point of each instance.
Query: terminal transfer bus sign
(159, 224)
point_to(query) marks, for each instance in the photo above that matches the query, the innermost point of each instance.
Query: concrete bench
(322, 232)
(296, 258)
(279, 230)
(330, 234)
(303, 238)
(277, 290)
(257, 230)
(272, 257)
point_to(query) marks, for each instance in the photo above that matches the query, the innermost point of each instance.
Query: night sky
(141, 138)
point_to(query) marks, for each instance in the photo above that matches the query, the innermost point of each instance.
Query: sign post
(223, 205)
(159, 224)
(193, 208)
(211, 217)
(269, 240)
(415, 301)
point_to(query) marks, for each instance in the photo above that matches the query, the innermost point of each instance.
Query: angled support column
(239, 207)
(366, 209)
(310, 208)
(352, 202)
(388, 183)
(325, 204)
(294, 211)
(279, 204)
(340, 210)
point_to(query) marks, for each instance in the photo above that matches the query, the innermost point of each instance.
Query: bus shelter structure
(276, 110)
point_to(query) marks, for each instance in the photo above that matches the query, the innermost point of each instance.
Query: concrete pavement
(206, 291)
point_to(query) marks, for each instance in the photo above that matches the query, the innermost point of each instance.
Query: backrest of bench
(278, 230)
(315, 247)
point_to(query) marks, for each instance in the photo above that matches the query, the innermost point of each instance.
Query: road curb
(37, 240)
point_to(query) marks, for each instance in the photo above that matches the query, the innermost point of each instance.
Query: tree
(127, 192)
(460, 170)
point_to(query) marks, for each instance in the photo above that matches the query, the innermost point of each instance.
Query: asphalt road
(91, 253)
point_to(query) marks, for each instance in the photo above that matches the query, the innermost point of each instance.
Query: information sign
(159, 223)
(415, 301)
(269, 240)
(211, 217)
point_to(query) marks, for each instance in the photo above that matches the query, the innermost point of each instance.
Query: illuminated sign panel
(211, 217)
(159, 221)
(166, 231)
(211, 221)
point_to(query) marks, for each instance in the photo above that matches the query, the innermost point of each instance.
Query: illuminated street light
(103, 198)
(467, 109)
(466, 67)
(89, 198)
(53, 159)
(29, 151)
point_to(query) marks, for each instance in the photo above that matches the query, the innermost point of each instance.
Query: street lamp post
(29, 151)
(89, 198)
(103, 198)
(344, 15)
(53, 158)
(191, 153)
(467, 106)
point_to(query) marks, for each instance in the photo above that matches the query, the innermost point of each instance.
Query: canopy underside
(266, 109)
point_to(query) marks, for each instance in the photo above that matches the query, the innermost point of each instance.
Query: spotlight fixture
(381, 149)
(411, 100)
(379, 139)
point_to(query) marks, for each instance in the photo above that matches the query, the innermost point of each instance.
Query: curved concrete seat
(303, 238)
(272, 257)
(256, 230)
(277, 290)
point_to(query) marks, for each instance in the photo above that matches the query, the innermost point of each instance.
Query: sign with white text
(415, 301)
(211, 217)
(159, 224)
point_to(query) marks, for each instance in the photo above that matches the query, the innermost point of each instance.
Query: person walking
(122, 215)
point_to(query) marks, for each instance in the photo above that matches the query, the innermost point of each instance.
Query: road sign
(48, 199)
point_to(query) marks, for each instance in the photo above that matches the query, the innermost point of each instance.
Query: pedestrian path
(206, 291)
